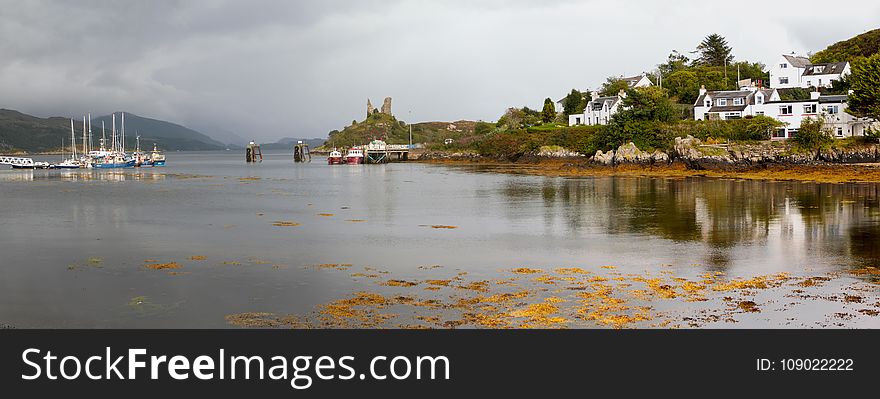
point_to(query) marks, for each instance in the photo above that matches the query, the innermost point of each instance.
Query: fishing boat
(335, 158)
(355, 156)
(157, 158)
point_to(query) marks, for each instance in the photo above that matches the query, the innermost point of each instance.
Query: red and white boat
(355, 156)
(335, 158)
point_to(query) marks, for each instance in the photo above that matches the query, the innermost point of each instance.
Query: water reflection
(815, 219)
(27, 175)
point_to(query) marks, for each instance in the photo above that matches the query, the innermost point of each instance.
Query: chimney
(621, 93)
(594, 95)
(702, 90)
(814, 95)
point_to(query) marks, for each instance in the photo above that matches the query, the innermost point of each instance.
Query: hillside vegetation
(25, 133)
(393, 131)
(864, 45)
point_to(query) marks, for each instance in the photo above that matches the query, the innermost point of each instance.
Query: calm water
(73, 243)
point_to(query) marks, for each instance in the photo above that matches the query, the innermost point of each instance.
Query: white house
(830, 109)
(732, 104)
(796, 71)
(599, 110)
(751, 101)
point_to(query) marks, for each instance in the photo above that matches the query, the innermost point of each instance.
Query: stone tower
(386, 106)
(369, 107)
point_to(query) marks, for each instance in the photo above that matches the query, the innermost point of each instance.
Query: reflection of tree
(824, 219)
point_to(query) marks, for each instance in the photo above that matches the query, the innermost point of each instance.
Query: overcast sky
(268, 69)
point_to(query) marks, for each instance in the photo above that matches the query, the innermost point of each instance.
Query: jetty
(17, 162)
(378, 152)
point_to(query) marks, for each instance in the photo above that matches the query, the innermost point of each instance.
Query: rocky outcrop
(855, 154)
(386, 106)
(629, 153)
(556, 152)
(604, 158)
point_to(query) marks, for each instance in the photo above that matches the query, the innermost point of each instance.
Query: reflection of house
(599, 110)
(753, 101)
(795, 71)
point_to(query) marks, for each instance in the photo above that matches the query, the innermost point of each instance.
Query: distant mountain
(26, 133)
(231, 139)
(167, 135)
(864, 45)
(288, 142)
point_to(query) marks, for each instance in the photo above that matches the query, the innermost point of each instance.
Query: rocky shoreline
(690, 157)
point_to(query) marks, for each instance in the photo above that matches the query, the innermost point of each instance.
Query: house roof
(597, 104)
(748, 95)
(833, 68)
(797, 61)
(833, 99)
(633, 80)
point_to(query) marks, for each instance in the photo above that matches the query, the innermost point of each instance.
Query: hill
(20, 132)
(864, 45)
(167, 135)
(388, 128)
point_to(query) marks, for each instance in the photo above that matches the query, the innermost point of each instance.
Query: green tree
(574, 103)
(683, 85)
(549, 111)
(714, 51)
(812, 134)
(865, 84)
(612, 86)
(647, 104)
(674, 63)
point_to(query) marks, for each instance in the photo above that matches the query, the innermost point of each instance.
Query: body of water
(86, 248)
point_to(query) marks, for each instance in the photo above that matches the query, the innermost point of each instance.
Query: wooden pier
(378, 152)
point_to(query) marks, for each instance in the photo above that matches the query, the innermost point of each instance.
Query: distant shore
(581, 167)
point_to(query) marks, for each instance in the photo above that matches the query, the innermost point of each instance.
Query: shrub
(812, 135)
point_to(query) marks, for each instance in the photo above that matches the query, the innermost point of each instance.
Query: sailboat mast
(90, 132)
(72, 141)
(113, 133)
(123, 132)
(103, 137)
(85, 150)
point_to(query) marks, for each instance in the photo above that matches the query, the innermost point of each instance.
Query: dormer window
(820, 68)
(759, 99)
(708, 103)
(738, 101)
(722, 102)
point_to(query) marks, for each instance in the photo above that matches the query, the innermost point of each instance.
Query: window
(840, 132)
(779, 134)
(732, 115)
(820, 82)
(785, 110)
(783, 80)
(759, 113)
(783, 65)
(577, 120)
(738, 101)
(809, 83)
(832, 110)
(792, 133)
(708, 103)
(722, 102)
(759, 99)
(809, 108)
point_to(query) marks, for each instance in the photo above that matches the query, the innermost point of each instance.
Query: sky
(270, 69)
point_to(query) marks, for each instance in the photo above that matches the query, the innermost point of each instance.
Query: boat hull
(335, 161)
(354, 160)
(129, 164)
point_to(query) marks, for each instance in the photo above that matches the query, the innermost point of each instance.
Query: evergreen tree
(549, 111)
(574, 103)
(865, 84)
(714, 51)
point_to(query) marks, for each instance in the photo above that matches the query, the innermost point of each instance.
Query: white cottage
(732, 104)
(830, 109)
(796, 71)
(599, 110)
